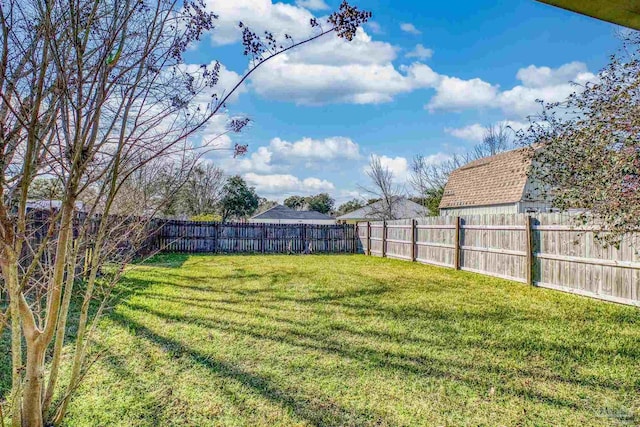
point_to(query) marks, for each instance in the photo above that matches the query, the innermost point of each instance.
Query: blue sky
(421, 78)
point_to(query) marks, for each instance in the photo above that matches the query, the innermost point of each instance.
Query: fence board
(212, 237)
(547, 250)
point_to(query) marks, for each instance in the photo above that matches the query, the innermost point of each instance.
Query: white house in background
(402, 208)
(50, 205)
(283, 215)
(499, 184)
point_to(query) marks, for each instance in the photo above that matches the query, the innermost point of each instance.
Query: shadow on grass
(224, 295)
(270, 299)
(123, 292)
(318, 411)
(502, 365)
(473, 375)
(433, 316)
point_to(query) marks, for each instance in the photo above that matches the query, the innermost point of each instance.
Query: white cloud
(548, 84)
(453, 93)
(313, 4)
(334, 51)
(260, 16)
(539, 77)
(421, 75)
(284, 184)
(315, 149)
(374, 27)
(317, 84)
(407, 27)
(521, 100)
(399, 166)
(257, 161)
(436, 159)
(420, 52)
(280, 155)
(475, 132)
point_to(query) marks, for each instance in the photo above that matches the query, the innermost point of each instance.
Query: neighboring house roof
(403, 208)
(283, 212)
(494, 180)
(47, 204)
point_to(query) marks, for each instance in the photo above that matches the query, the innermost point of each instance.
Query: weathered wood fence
(215, 237)
(546, 250)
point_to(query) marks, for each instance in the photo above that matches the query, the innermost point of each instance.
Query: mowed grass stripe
(353, 340)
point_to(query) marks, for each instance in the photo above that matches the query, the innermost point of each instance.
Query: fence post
(216, 236)
(369, 238)
(356, 238)
(529, 241)
(384, 238)
(303, 231)
(456, 243)
(413, 240)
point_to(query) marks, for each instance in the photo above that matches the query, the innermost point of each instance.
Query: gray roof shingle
(494, 180)
(403, 208)
(283, 212)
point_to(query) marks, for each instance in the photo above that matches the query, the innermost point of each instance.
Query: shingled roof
(283, 212)
(494, 180)
(402, 208)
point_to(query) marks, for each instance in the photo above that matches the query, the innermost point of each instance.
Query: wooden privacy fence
(215, 237)
(546, 250)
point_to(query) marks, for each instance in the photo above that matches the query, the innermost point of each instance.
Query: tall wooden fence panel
(212, 237)
(364, 233)
(399, 239)
(494, 245)
(546, 250)
(570, 258)
(435, 241)
(376, 239)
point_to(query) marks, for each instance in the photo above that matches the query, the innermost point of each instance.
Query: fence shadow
(348, 323)
(124, 290)
(321, 411)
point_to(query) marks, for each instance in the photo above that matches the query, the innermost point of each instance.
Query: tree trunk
(80, 349)
(61, 327)
(38, 340)
(32, 392)
(10, 275)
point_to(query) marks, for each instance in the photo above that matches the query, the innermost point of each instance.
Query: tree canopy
(297, 203)
(349, 206)
(238, 201)
(586, 150)
(321, 202)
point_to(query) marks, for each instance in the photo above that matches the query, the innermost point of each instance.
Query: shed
(494, 185)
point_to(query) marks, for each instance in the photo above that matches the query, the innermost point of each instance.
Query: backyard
(353, 340)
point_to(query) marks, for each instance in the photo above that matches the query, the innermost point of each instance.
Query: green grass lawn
(355, 340)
